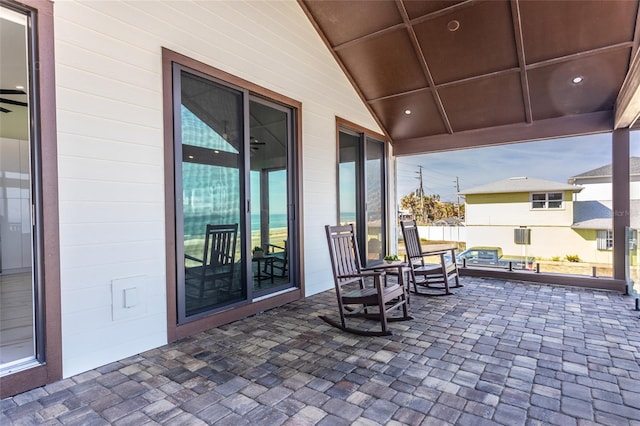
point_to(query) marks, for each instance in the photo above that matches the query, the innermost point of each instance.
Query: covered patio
(496, 353)
(425, 77)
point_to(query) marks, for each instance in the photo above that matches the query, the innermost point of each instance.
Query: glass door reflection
(375, 199)
(211, 194)
(18, 346)
(270, 188)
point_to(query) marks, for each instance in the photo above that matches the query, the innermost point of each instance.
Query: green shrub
(555, 258)
(572, 258)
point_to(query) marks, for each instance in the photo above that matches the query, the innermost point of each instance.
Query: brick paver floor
(495, 353)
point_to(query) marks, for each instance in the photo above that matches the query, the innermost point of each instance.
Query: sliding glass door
(375, 188)
(210, 194)
(362, 191)
(18, 273)
(269, 140)
(233, 194)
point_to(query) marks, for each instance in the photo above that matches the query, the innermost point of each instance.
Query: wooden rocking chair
(433, 278)
(356, 296)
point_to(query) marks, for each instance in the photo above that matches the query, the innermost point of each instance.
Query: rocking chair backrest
(343, 249)
(220, 245)
(411, 240)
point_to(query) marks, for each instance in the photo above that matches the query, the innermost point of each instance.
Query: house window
(605, 239)
(362, 190)
(546, 200)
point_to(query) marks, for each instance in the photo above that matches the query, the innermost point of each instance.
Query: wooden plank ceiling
(475, 73)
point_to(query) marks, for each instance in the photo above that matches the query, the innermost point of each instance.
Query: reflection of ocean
(276, 221)
(347, 217)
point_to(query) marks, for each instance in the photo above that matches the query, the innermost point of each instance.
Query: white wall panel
(101, 148)
(110, 145)
(83, 125)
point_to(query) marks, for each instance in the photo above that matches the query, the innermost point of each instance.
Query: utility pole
(421, 192)
(457, 182)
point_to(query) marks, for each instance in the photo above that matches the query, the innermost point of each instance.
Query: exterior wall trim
(50, 370)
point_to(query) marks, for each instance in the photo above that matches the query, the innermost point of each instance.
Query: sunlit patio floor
(496, 352)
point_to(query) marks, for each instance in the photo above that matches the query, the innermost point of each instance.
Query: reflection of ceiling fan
(255, 143)
(11, 101)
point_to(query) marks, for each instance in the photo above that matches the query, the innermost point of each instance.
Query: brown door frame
(176, 331)
(44, 134)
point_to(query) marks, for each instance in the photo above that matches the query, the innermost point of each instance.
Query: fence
(443, 233)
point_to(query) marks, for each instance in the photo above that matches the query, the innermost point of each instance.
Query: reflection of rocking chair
(356, 296)
(280, 257)
(218, 259)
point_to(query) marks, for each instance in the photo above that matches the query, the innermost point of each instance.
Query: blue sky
(555, 159)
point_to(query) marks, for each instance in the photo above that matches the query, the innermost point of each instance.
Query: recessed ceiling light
(20, 87)
(191, 157)
(453, 25)
(407, 111)
(216, 151)
(577, 79)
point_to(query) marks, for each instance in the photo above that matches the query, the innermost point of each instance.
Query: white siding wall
(110, 144)
(602, 191)
(595, 191)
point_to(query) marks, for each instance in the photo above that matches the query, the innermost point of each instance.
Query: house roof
(448, 221)
(521, 184)
(483, 72)
(606, 171)
(598, 214)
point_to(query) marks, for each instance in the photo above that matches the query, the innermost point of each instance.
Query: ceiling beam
(343, 67)
(580, 55)
(425, 67)
(522, 63)
(627, 107)
(597, 122)
(636, 35)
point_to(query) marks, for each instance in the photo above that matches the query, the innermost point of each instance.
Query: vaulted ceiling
(447, 74)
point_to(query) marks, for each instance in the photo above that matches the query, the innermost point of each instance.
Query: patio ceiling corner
(450, 74)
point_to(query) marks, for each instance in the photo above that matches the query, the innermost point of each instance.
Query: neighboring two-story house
(560, 219)
(498, 212)
(593, 206)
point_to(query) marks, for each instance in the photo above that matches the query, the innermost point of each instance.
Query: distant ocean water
(347, 217)
(276, 220)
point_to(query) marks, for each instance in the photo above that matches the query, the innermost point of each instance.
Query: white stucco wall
(110, 144)
(490, 221)
(517, 214)
(546, 242)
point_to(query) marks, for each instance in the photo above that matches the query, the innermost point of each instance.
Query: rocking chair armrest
(435, 253)
(385, 266)
(270, 247)
(362, 274)
(187, 256)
